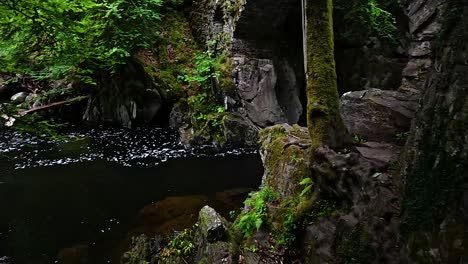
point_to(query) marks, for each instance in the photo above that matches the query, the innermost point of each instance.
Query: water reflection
(87, 192)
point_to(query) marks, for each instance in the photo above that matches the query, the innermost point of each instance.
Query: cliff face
(435, 204)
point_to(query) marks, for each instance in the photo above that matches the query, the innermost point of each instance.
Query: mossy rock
(285, 151)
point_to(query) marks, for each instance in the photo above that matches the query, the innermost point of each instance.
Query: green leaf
(305, 191)
(306, 181)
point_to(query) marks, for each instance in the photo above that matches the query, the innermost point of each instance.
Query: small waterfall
(304, 34)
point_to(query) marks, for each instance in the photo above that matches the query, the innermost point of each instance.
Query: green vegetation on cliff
(79, 39)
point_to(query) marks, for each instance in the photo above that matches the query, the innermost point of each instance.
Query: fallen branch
(42, 107)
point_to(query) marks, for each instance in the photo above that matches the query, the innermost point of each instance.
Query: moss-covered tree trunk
(323, 117)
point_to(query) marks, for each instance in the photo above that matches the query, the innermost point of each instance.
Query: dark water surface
(58, 194)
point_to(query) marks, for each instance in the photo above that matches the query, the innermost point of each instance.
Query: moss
(435, 181)
(323, 119)
(351, 246)
(139, 252)
(172, 55)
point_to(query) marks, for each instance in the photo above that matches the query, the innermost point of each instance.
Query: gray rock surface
(370, 224)
(19, 97)
(380, 154)
(256, 81)
(378, 115)
(425, 22)
(285, 153)
(211, 225)
(239, 131)
(212, 238)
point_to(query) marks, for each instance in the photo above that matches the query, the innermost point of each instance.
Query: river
(86, 193)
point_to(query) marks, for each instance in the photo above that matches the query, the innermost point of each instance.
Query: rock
(179, 116)
(285, 153)
(5, 260)
(289, 89)
(239, 131)
(31, 97)
(19, 97)
(139, 251)
(422, 13)
(419, 49)
(368, 225)
(417, 67)
(218, 253)
(211, 225)
(256, 81)
(130, 100)
(369, 69)
(379, 153)
(378, 115)
(212, 238)
(436, 156)
(10, 86)
(318, 241)
(234, 130)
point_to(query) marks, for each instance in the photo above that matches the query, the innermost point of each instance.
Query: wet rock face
(425, 22)
(266, 47)
(256, 80)
(367, 231)
(435, 208)
(239, 131)
(130, 100)
(363, 67)
(378, 115)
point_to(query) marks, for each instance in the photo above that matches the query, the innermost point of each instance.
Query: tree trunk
(323, 116)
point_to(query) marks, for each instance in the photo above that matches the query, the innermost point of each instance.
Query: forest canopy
(79, 39)
(73, 38)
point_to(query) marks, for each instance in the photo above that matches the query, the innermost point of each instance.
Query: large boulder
(234, 129)
(19, 97)
(213, 240)
(365, 230)
(378, 115)
(285, 152)
(239, 131)
(255, 82)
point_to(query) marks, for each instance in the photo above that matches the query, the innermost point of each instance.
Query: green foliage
(76, 39)
(284, 235)
(172, 55)
(182, 245)
(308, 184)
(33, 124)
(353, 246)
(357, 139)
(402, 137)
(362, 19)
(251, 221)
(322, 208)
(203, 74)
(203, 69)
